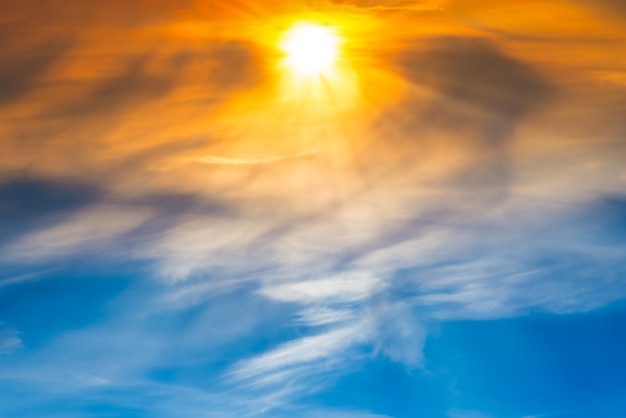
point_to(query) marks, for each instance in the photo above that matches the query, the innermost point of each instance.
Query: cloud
(300, 359)
(22, 278)
(454, 126)
(393, 4)
(26, 198)
(320, 315)
(130, 88)
(73, 14)
(348, 317)
(10, 341)
(231, 66)
(472, 93)
(206, 243)
(238, 65)
(28, 203)
(400, 335)
(468, 75)
(92, 228)
(608, 8)
(257, 161)
(21, 71)
(348, 287)
(486, 185)
(458, 413)
(330, 413)
(605, 218)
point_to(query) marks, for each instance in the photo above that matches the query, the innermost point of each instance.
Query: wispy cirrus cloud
(10, 340)
(391, 5)
(282, 244)
(98, 226)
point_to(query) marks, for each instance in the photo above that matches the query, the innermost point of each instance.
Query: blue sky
(432, 226)
(77, 357)
(96, 335)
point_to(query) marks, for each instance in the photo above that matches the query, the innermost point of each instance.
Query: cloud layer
(469, 167)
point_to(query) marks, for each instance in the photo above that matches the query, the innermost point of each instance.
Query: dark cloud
(30, 202)
(31, 205)
(604, 219)
(467, 98)
(26, 200)
(615, 211)
(23, 198)
(77, 13)
(605, 8)
(473, 74)
(391, 4)
(134, 86)
(238, 65)
(615, 8)
(230, 66)
(20, 71)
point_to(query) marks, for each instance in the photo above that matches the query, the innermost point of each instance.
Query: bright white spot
(310, 49)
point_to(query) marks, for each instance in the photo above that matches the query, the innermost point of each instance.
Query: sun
(310, 49)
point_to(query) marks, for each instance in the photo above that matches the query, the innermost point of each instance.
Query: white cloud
(458, 413)
(10, 341)
(89, 229)
(22, 278)
(301, 357)
(321, 315)
(346, 287)
(330, 413)
(203, 243)
(400, 336)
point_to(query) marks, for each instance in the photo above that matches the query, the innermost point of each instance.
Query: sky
(432, 224)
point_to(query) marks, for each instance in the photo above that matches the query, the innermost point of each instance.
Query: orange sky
(189, 96)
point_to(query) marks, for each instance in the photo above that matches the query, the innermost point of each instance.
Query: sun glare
(310, 49)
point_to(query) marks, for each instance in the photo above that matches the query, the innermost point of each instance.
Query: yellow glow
(311, 49)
